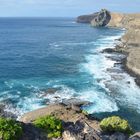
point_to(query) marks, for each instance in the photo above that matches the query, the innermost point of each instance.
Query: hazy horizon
(63, 8)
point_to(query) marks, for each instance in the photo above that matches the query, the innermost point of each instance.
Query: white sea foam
(63, 94)
(97, 64)
(100, 101)
(128, 93)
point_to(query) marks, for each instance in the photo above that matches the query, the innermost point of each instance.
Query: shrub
(51, 125)
(10, 129)
(115, 124)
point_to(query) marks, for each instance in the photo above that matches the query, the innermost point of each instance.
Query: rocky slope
(130, 40)
(76, 125)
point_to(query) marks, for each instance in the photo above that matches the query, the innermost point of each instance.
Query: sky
(64, 8)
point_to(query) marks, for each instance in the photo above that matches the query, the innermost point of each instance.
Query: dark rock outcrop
(80, 131)
(32, 133)
(86, 18)
(75, 102)
(118, 136)
(6, 114)
(108, 50)
(76, 125)
(102, 18)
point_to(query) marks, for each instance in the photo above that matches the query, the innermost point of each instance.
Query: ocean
(58, 54)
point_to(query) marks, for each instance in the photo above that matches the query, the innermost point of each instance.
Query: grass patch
(51, 125)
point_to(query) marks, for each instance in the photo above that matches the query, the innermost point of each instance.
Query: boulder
(108, 50)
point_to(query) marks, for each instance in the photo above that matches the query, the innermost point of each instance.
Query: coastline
(124, 50)
(71, 113)
(124, 61)
(128, 44)
(130, 72)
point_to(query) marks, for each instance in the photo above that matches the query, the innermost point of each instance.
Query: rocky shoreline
(129, 43)
(77, 124)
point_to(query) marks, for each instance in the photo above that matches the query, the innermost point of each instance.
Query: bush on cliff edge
(115, 124)
(51, 125)
(10, 129)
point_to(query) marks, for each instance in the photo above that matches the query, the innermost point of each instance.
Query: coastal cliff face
(101, 19)
(130, 40)
(86, 18)
(111, 19)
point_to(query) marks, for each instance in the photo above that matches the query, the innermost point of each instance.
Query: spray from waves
(62, 93)
(125, 90)
(19, 102)
(100, 102)
(26, 97)
(120, 87)
(96, 65)
(98, 95)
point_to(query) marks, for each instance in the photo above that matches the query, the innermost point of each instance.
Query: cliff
(130, 40)
(111, 19)
(86, 18)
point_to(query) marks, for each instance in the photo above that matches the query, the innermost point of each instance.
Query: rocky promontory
(130, 41)
(77, 124)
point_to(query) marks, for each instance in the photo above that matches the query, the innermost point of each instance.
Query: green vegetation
(51, 125)
(115, 124)
(10, 129)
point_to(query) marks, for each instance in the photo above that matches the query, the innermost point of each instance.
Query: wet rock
(128, 82)
(49, 91)
(108, 50)
(113, 70)
(75, 102)
(117, 77)
(6, 114)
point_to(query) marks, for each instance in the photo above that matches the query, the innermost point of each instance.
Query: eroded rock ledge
(76, 125)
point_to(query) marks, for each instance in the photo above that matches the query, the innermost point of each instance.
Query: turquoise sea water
(37, 54)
